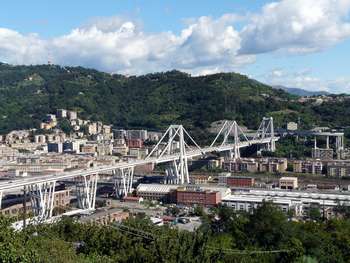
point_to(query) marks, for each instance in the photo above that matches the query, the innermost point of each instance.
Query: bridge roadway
(18, 183)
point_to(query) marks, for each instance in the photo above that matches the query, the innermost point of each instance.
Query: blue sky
(297, 43)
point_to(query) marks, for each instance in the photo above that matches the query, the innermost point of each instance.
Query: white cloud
(19, 49)
(119, 45)
(297, 26)
(205, 45)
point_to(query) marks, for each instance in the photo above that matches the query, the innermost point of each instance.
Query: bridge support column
(236, 153)
(272, 135)
(0, 199)
(86, 191)
(42, 199)
(177, 173)
(339, 143)
(123, 179)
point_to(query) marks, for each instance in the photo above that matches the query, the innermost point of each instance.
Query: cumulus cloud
(19, 49)
(297, 26)
(205, 45)
(119, 45)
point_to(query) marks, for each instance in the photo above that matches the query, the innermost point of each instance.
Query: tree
(268, 226)
(314, 213)
(65, 126)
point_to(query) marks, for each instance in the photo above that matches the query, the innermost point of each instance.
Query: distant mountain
(153, 101)
(301, 92)
(28, 93)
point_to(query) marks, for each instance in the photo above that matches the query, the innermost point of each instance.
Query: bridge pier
(123, 179)
(42, 199)
(86, 191)
(177, 173)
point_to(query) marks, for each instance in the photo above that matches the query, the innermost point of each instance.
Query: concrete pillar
(315, 143)
(327, 142)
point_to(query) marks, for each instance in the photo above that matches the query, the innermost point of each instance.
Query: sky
(295, 43)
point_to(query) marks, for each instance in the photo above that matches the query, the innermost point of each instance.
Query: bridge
(175, 148)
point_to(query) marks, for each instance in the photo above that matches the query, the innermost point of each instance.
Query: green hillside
(152, 101)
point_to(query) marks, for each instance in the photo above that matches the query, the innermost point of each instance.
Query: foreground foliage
(264, 236)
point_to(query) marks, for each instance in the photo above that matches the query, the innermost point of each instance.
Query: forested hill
(152, 101)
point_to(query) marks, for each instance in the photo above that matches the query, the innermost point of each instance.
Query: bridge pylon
(174, 142)
(266, 130)
(230, 130)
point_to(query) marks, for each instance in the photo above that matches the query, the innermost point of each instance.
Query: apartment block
(241, 165)
(307, 166)
(338, 169)
(270, 165)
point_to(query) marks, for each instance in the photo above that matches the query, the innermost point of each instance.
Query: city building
(297, 201)
(247, 203)
(138, 153)
(158, 192)
(136, 134)
(88, 148)
(292, 126)
(307, 166)
(338, 169)
(55, 147)
(105, 217)
(270, 165)
(240, 181)
(154, 136)
(226, 179)
(92, 128)
(194, 195)
(288, 183)
(134, 143)
(167, 193)
(120, 150)
(71, 146)
(240, 165)
(61, 113)
(199, 179)
(72, 115)
(41, 138)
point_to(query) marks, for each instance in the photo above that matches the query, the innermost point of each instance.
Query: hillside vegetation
(150, 101)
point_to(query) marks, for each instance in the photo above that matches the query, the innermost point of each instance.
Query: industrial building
(168, 193)
(296, 201)
(194, 195)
